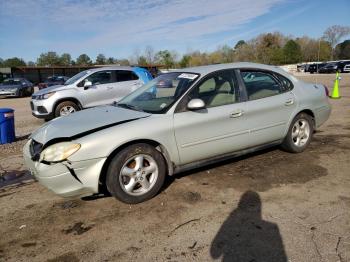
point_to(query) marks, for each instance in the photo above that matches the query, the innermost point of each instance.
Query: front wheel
(65, 108)
(136, 173)
(299, 134)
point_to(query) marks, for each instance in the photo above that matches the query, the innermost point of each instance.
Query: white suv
(88, 88)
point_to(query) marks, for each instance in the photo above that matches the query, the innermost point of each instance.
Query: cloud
(102, 24)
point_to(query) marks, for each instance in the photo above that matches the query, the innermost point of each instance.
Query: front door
(101, 91)
(218, 129)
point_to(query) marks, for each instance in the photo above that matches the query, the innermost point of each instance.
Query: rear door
(126, 82)
(219, 128)
(101, 91)
(269, 107)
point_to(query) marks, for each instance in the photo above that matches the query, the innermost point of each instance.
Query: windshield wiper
(128, 106)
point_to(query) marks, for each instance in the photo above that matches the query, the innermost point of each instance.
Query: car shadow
(245, 236)
(170, 179)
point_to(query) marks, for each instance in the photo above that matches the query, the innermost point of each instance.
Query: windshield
(11, 82)
(158, 95)
(75, 78)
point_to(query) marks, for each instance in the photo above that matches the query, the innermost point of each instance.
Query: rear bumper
(9, 93)
(66, 179)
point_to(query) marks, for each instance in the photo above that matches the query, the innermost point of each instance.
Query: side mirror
(87, 84)
(196, 104)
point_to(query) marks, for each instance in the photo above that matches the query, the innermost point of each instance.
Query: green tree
(30, 63)
(13, 62)
(1, 62)
(83, 60)
(111, 60)
(334, 34)
(239, 44)
(166, 58)
(48, 59)
(185, 61)
(101, 59)
(342, 50)
(142, 60)
(65, 59)
(292, 52)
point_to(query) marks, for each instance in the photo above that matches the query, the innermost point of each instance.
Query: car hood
(85, 122)
(51, 89)
(9, 86)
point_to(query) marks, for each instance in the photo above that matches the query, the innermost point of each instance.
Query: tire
(31, 91)
(298, 139)
(145, 171)
(20, 93)
(66, 108)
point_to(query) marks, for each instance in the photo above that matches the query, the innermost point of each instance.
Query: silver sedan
(180, 120)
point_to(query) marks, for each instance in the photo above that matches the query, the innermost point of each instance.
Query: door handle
(109, 87)
(289, 102)
(237, 113)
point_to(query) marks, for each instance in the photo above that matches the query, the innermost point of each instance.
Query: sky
(121, 28)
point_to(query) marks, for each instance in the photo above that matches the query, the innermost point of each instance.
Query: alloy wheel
(138, 175)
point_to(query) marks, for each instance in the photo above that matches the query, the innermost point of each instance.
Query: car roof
(203, 70)
(129, 68)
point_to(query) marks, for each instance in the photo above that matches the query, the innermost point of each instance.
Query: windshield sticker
(188, 76)
(162, 105)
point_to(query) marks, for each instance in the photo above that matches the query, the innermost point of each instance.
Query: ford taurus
(177, 121)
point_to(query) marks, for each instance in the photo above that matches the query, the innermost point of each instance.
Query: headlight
(45, 96)
(59, 152)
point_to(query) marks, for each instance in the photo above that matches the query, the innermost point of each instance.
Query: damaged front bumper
(67, 179)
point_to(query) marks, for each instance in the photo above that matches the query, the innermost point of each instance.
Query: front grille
(31, 105)
(35, 149)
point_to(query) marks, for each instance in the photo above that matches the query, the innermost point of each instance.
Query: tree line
(268, 48)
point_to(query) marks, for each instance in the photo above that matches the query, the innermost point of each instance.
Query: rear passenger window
(285, 82)
(260, 84)
(126, 76)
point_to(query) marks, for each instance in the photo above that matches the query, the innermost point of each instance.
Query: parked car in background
(19, 87)
(315, 68)
(346, 68)
(330, 68)
(207, 114)
(88, 88)
(52, 81)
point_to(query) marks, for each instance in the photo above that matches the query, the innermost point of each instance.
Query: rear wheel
(65, 108)
(136, 174)
(299, 134)
(31, 91)
(21, 93)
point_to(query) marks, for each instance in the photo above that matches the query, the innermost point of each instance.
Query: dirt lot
(297, 203)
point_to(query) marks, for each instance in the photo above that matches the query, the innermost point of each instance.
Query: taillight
(326, 90)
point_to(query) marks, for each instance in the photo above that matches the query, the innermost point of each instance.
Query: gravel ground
(297, 203)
